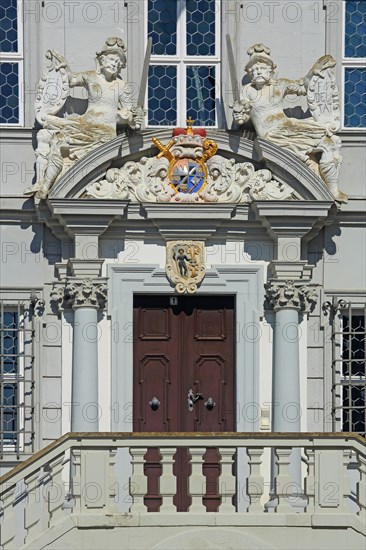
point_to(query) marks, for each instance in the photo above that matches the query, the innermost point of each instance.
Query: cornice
(13, 135)
(285, 166)
(294, 218)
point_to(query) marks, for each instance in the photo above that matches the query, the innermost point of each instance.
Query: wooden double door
(183, 379)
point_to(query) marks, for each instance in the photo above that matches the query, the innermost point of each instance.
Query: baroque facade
(183, 274)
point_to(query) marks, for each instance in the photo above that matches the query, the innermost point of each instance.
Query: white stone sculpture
(185, 265)
(63, 141)
(227, 182)
(311, 139)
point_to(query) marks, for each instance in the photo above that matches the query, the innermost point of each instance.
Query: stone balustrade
(98, 479)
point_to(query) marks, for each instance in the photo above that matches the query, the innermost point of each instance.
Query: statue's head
(260, 66)
(112, 57)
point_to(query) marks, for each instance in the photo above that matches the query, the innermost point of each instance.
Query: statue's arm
(320, 66)
(127, 114)
(292, 87)
(77, 79)
(300, 87)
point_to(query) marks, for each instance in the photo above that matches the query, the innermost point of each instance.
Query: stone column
(85, 297)
(288, 300)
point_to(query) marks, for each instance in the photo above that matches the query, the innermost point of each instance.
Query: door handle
(209, 404)
(192, 399)
(154, 403)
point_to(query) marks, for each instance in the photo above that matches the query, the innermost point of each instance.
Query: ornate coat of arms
(185, 266)
(187, 154)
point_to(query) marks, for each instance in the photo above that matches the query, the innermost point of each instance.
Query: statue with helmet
(311, 139)
(63, 140)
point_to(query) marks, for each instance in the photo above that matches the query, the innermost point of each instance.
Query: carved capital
(285, 294)
(75, 294)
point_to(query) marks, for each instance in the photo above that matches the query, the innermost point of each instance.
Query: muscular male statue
(262, 101)
(62, 141)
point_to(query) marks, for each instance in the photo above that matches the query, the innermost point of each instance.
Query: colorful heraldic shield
(187, 153)
(188, 176)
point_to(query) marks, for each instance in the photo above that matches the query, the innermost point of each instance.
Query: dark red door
(178, 348)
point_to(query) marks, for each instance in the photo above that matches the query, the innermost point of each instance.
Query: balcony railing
(99, 477)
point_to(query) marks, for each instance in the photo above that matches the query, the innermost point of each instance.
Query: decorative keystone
(287, 295)
(86, 293)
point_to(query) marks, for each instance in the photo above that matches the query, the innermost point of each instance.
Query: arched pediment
(292, 175)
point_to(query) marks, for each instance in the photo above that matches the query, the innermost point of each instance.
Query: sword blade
(232, 69)
(145, 74)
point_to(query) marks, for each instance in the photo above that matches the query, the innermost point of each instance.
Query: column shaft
(286, 376)
(85, 411)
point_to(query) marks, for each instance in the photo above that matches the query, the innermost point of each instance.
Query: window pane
(162, 26)
(355, 98)
(355, 39)
(201, 27)
(10, 342)
(9, 412)
(201, 95)
(9, 93)
(162, 92)
(8, 26)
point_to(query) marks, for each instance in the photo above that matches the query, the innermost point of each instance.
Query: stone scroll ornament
(63, 140)
(185, 265)
(288, 294)
(85, 293)
(187, 169)
(312, 139)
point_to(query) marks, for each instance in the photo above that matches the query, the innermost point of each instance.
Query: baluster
(310, 481)
(56, 491)
(283, 480)
(167, 481)
(8, 527)
(75, 479)
(255, 482)
(197, 481)
(361, 486)
(112, 483)
(36, 507)
(138, 481)
(347, 454)
(227, 482)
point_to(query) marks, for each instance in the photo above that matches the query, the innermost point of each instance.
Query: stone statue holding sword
(62, 141)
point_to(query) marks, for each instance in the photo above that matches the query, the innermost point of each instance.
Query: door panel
(178, 348)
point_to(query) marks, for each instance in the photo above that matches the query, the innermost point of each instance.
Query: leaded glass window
(348, 366)
(11, 62)
(354, 64)
(16, 377)
(184, 68)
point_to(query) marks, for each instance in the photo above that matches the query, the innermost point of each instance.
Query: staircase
(89, 490)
